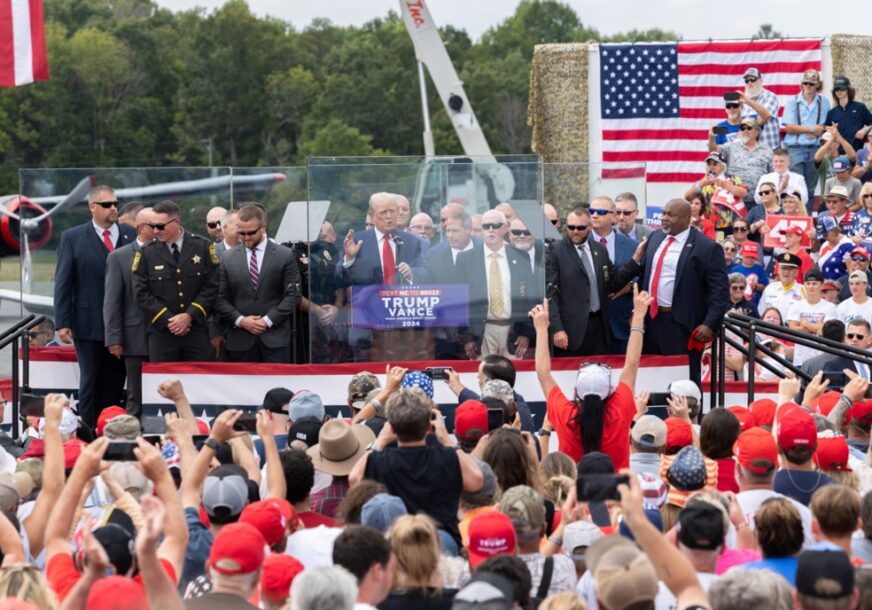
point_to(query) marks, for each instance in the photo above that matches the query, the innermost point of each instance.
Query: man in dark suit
(383, 255)
(229, 238)
(259, 283)
(126, 336)
(500, 287)
(175, 280)
(620, 249)
(78, 301)
(684, 272)
(579, 278)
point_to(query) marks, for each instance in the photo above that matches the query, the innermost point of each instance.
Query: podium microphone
(399, 242)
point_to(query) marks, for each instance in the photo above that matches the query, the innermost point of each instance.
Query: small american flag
(659, 100)
(23, 56)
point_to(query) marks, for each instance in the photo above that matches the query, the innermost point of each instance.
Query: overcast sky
(693, 19)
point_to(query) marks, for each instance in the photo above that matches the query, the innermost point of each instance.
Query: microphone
(398, 240)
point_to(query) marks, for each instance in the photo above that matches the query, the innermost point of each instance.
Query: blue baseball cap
(417, 379)
(840, 164)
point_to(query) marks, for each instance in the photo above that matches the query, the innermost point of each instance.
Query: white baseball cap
(593, 379)
(685, 387)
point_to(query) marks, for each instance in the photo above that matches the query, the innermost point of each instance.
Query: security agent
(175, 280)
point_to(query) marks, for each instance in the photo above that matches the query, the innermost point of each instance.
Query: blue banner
(387, 306)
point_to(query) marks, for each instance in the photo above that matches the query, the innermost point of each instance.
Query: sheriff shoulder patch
(136, 258)
(212, 254)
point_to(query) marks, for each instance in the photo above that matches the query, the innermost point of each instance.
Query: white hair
(328, 588)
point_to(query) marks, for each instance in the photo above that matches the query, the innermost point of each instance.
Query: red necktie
(604, 242)
(656, 279)
(107, 240)
(388, 266)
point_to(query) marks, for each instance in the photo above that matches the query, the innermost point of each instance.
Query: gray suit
(639, 232)
(276, 297)
(123, 321)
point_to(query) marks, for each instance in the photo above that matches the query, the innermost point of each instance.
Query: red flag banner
(23, 56)
(659, 100)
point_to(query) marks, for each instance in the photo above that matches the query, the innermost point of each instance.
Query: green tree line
(134, 84)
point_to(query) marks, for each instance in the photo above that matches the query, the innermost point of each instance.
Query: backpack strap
(547, 573)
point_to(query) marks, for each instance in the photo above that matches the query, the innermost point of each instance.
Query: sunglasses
(106, 204)
(740, 229)
(738, 286)
(809, 84)
(839, 89)
(751, 79)
(855, 336)
(732, 105)
(859, 259)
(746, 128)
(519, 232)
(487, 226)
(163, 225)
(599, 212)
(625, 213)
(36, 333)
(867, 196)
(250, 233)
(729, 249)
(576, 227)
(213, 225)
(766, 192)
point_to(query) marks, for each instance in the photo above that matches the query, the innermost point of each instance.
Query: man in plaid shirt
(764, 104)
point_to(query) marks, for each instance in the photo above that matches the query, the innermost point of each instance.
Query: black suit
(568, 287)
(275, 297)
(78, 305)
(471, 271)
(701, 295)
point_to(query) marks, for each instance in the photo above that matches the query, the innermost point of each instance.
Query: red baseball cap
(287, 510)
(832, 453)
(107, 414)
(268, 520)
(749, 248)
(116, 593)
(237, 549)
(824, 403)
(470, 421)
(860, 251)
(860, 413)
(744, 415)
(755, 450)
(679, 433)
(279, 572)
(490, 533)
(796, 428)
(792, 230)
(763, 410)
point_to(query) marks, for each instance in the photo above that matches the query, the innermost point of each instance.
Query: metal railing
(20, 377)
(746, 329)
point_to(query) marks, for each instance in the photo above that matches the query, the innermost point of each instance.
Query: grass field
(43, 267)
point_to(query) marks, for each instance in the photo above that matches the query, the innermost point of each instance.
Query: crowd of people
(606, 503)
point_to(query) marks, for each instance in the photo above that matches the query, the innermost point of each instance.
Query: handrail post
(752, 360)
(16, 391)
(722, 373)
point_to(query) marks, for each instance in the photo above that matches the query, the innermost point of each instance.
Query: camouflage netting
(557, 114)
(851, 58)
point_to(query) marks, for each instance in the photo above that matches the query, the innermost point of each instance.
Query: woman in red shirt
(597, 419)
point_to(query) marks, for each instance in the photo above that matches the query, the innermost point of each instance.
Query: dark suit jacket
(568, 287)
(367, 268)
(122, 316)
(471, 270)
(621, 309)
(79, 280)
(439, 265)
(702, 290)
(275, 297)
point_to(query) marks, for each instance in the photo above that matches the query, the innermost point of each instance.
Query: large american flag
(659, 100)
(23, 56)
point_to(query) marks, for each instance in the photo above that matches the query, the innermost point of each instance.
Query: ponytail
(590, 420)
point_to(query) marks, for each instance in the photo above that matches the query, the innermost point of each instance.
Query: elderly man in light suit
(123, 321)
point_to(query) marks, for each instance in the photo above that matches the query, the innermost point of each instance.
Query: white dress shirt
(113, 231)
(666, 287)
(795, 182)
(505, 275)
(455, 251)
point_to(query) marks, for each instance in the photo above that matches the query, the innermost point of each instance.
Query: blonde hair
(415, 542)
(865, 189)
(27, 583)
(558, 472)
(567, 600)
(845, 477)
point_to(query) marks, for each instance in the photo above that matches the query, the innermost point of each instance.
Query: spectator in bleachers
(740, 231)
(803, 120)
(700, 213)
(793, 245)
(783, 293)
(840, 170)
(731, 252)
(727, 130)
(864, 214)
(717, 181)
(809, 314)
(738, 301)
(754, 273)
(863, 169)
(838, 201)
(785, 181)
(770, 205)
(747, 158)
(830, 291)
(859, 305)
(835, 248)
(857, 261)
(852, 117)
(833, 145)
(763, 105)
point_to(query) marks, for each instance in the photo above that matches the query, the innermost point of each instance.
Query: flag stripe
(685, 82)
(37, 37)
(21, 33)
(7, 45)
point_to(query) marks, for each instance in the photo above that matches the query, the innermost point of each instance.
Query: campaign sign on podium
(389, 306)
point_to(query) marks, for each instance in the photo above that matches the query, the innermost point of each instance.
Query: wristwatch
(544, 432)
(212, 444)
